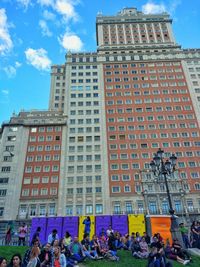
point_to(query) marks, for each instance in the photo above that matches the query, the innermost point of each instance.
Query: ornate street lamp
(164, 168)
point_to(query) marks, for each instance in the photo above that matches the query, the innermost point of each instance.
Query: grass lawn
(126, 260)
(8, 251)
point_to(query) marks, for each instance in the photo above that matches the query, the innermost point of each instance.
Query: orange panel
(161, 225)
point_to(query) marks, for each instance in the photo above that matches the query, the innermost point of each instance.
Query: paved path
(194, 251)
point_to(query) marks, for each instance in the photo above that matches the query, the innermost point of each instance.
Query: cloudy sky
(37, 33)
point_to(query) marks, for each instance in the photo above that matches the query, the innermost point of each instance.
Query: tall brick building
(139, 92)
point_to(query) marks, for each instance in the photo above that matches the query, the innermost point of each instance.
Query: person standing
(36, 235)
(87, 223)
(9, 232)
(184, 233)
(22, 234)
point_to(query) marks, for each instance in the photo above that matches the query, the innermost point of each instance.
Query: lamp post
(164, 168)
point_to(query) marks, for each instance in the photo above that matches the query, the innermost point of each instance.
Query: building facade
(140, 91)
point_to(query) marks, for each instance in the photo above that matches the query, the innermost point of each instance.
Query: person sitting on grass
(16, 261)
(170, 254)
(27, 254)
(91, 254)
(34, 260)
(46, 256)
(103, 245)
(76, 250)
(135, 247)
(95, 245)
(143, 251)
(156, 259)
(112, 247)
(3, 262)
(58, 258)
(179, 251)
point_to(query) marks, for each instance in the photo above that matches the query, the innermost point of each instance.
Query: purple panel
(120, 223)
(36, 222)
(70, 224)
(54, 223)
(102, 223)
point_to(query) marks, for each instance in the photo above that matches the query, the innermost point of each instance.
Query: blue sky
(37, 33)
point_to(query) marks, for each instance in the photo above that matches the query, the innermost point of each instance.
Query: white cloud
(38, 58)
(5, 92)
(46, 2)
(173, 5)
(151, 8)
(17, 64)
(6, 43)
(71, 42)
(45, 28)
(24, 3)
(48, 15)
(66, 8)
(11, 71)
(63, 7)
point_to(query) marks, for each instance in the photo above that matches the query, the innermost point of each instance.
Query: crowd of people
(69, 252)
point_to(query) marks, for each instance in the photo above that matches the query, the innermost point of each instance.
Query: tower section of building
(85, 188)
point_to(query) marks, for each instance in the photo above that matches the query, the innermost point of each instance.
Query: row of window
(86, 87)
(80, 179)
(85, 157)
(86, 95)
(85, 59)
(94, 73)
(42, 138)
(85, 129)
(43, 148)
(79, 209)
(146, 92)
(81, 67)
(144, 85)
(43, 158)
(45, 168)
(35, 210)
(147, 155)
(127, 166)
(142, 65)
(151, 109)
(37, 192)
(84, 138)
(87, 168)
(46, 129)
(151, 77)
(84, 81)
(43, 180)
(135, 146)
(87, 104)
(87, 121)
(87, 148)
(80, 190)
(153, 144)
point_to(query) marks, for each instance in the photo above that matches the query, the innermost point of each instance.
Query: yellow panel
(136, 223)
(82, 226)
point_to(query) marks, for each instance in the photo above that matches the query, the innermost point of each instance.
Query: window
(99, 209)
(69, 210)
(115, 189)
(3, 192)
(6, 169)
(89, 209)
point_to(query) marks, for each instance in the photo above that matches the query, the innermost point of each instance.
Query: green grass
(8, 251)
(126, 259)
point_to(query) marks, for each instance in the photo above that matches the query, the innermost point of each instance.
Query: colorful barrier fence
(74, 225)
(161, 224)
